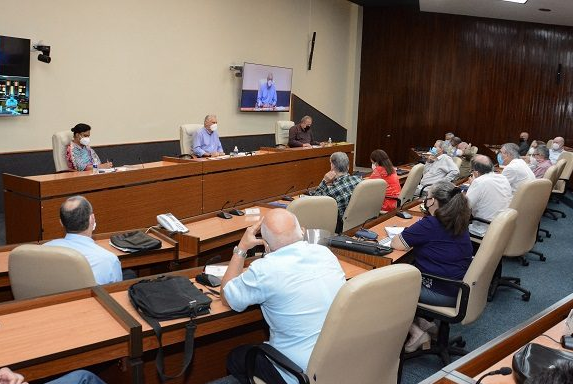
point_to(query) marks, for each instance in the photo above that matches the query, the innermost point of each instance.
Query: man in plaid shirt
(338, 184)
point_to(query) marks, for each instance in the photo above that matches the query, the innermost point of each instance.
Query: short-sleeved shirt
(105, 265)
(204, 142)
(438, 252)
(488, 195)
(517, 172)
(393, 188)
(295, 286)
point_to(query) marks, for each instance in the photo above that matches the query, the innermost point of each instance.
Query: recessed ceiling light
(517, 1)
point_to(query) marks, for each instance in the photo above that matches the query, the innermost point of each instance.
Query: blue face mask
(434, 151)
(499, 158)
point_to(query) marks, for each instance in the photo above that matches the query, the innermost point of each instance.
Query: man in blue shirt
(77, 218)
(267, 95)
(206, 141)
(294, 284)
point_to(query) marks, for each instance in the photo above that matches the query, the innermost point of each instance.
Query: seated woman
(382, 168)
(79, 154)
(442, 247)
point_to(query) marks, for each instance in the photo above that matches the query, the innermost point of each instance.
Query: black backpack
(167, 298)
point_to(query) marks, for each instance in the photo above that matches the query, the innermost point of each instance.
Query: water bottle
(235, 151)
(329, 141)
(94, 169)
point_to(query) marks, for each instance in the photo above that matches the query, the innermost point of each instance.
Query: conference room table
(133, 196)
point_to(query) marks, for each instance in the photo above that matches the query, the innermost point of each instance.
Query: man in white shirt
(489, 193)
(516, 169)
(556, 149)
(439, 166)
(294, 285)
(77, 218)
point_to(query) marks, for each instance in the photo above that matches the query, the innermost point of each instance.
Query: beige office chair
(409, 187)
(473, 294)
(364, 203)
(315, 212)
(60, 142)
(529, 201)
(38, 270)
(560, 167)
(457, 161)
(358, 343)
(186, 133)
(281, 131)
(561, 187)
(474, 149)
(549, 143)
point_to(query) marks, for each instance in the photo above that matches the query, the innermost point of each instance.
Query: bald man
(295, 284)
(556, 149)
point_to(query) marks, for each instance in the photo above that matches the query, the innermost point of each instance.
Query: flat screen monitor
(14, 76)
(266, 88)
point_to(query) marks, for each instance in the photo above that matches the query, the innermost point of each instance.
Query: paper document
(216, 270)
(252, 211)
(393, 231)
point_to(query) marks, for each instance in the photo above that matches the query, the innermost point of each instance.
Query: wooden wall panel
(424, 74)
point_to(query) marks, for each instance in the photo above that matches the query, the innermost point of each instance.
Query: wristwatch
(240, 252)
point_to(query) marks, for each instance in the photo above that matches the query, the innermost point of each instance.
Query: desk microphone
(307, 192)
(366, 234)
(286, 197)
(141, 162)
(504, 371)
(208, 279)
(237, 212)
(222, 214)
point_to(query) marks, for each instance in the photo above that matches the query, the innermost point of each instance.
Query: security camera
(44, 57)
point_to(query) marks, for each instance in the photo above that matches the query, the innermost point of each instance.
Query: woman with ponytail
(442, 247)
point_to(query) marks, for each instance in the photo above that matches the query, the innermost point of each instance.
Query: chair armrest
(480, 220)
(463, 300)
(422, 190)
(276, 357)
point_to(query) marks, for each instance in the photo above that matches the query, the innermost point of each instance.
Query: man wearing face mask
(516, 170)
(540, 161)
(523, 143)
(294, 284)
(300, 135)
(78, 220)
(79, 154)
(464, 152)
(206, 142)
(556, 149)
(267, 95)
(439, 166)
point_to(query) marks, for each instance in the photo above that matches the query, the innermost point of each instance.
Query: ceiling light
(517, 1)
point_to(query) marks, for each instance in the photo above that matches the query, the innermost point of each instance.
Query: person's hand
(249, 239)
(9, 377)
(307, 145)
(329, 177)
(431, 158)
(207, 154)
(109, 164)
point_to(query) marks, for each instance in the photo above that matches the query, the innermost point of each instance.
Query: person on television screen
(206, 141)
(300, 135)
(267, 95)
(79, 154)
(11, 103)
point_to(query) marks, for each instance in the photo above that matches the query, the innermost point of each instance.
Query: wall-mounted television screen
(14, 76)
(266, 88)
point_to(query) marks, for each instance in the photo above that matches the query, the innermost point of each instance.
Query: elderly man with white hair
(439, 166)
(516, 169)
(294, 284)
(556, 149)
(206, 142)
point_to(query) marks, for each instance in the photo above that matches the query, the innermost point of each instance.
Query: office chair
(315, 212)
(38, 270)
(472, 297)
(529, 201)
(363, 333)
(560, 167)
(364, 203)
(457, 161)
(60, 142)
(409, 187)
(186, 134)
(474, 149)
(561, 187)
(282, 128)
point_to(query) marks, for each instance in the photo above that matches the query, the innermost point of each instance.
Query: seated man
(77, 218)
(556, 149)
(464, 151)
(448, 142)
(516, 170)
(300, 135)
(439, 166)
(267, 95)
(338, 184)
(523, 143)
(75, 377)
(489, 193)
(294, 284)
(540, 161)
(206, 141)
(452, 150)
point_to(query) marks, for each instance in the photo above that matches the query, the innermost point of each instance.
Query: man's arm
(237, 263)
(197, 145)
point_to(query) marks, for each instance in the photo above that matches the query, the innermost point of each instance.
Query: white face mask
(530, 151)
(555, 146)
(85, 141)
(373, 166)
(533, 161)
(213, 127)
(94, 227)
(269, 83)
(459, 152)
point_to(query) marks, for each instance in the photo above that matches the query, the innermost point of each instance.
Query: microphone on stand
(206, 278)
(286, 197)
(237, 212)
(307, 192)
(222, 214)
(504, 371)
(141, 162)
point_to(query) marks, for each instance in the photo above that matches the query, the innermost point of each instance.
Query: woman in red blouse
(382, 168)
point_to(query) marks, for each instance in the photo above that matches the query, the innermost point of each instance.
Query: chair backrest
(457, 161)
(364, 203)
(566, 173)
(484, 263)
(474, 149)
(549, 143)
(359, 344)
(315, 212)
(37, 270)
(281, 131)
(60, 142)
(412, 181)
(186, 133)
(529, 201)
(552, 174)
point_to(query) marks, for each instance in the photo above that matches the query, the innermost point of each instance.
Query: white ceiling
(561, 10)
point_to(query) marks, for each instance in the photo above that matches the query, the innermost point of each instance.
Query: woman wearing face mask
(442, 247)
(382, 168)
(79, 154)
